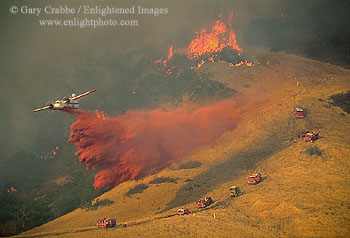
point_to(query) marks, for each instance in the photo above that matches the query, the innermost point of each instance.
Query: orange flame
(248, 64)
(200, 63)
(100, 115)
(220, 37)
(12, 189)
(207, 46)
(170, 52)
(169, 57)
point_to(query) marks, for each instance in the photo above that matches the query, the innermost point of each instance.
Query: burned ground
(341, 100)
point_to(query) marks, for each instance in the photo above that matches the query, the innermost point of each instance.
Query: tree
(34, 213)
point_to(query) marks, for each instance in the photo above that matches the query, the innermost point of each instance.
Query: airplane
(66, 102)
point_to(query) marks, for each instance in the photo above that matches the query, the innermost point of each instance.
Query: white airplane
(66, 102)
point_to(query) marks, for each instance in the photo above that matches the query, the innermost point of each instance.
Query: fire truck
(254, 179)
(204, 202)
(298, 112)
(308, 136)
(183, 211)
(106, 222)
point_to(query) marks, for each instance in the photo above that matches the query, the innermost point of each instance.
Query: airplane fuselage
(70, 102)
(60, 104)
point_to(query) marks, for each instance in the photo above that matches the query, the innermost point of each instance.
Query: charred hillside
(341, 100)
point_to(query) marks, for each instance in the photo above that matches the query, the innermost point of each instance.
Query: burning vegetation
(215, 44)
(214, 41)
(50, 155)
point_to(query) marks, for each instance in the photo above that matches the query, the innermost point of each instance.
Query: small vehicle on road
(254, 179)
(298, 111)
(204, 202)
(183, 211)
(235, 191)
(309, 136)
(106, 222)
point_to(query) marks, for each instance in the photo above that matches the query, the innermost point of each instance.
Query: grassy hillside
(302, 195)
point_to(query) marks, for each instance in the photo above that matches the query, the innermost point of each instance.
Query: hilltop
(302, 194)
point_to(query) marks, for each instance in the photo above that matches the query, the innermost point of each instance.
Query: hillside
(302, 195)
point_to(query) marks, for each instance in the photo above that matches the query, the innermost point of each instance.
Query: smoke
(316, 29)
(139, 143)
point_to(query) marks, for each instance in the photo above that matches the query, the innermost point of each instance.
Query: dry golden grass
(300, 196)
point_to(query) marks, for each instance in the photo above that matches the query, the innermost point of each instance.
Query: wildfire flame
(249, 64)
(170, 52)
(169, 57)
(11, 190)
(215, 44)
(220, 37)
(100, 115)
(200, 64)
(50, 155)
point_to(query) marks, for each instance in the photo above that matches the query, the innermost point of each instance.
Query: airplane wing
(43, 108)
(78, 97)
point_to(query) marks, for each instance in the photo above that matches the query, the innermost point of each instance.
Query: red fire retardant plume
(142, 142)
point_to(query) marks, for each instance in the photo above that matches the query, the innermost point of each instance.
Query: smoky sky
(38, 64)
(314, 29)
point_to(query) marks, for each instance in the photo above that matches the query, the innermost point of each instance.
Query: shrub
(64, 205)
(190, 165)
(162, 180)
(35, 213)
(137, 189)
(191, 186)
(101, 203)
(313, 151)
